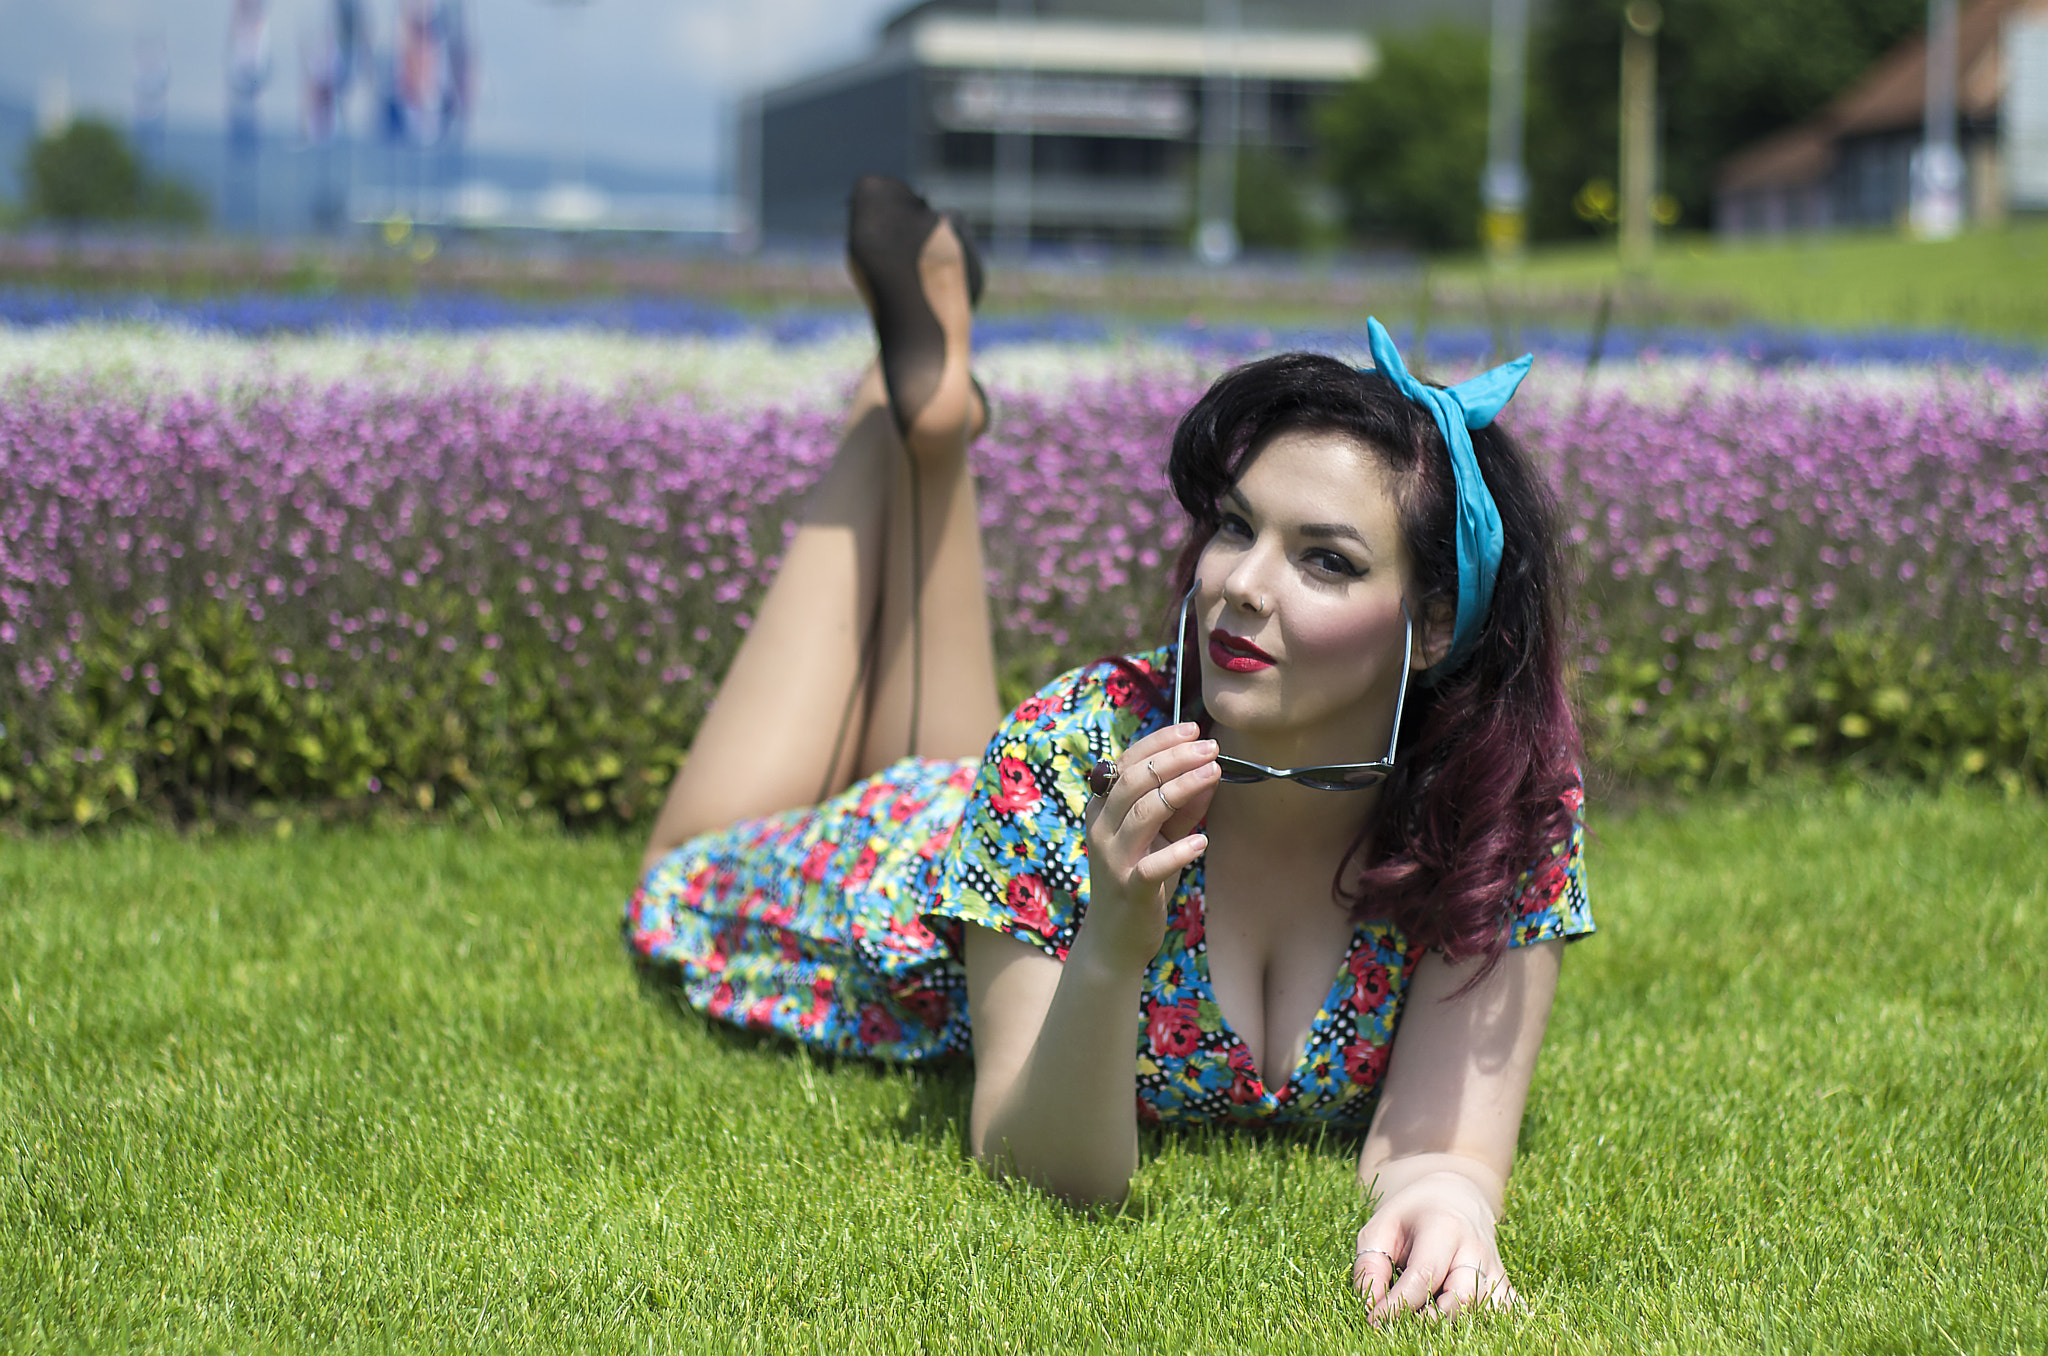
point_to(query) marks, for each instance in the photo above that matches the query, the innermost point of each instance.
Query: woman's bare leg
(823, 688)
(935, 687)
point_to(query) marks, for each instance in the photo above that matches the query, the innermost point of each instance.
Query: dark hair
(1488, 752)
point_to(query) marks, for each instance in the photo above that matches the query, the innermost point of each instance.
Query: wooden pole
(1505, 185)
(1640, 22)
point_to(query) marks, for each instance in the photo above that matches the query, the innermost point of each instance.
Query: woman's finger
(1372, 1272)
(1176, 805)
(1461, 1287)
(1496, 1293)
(1159, 741)
(1159, 867)
(1142, 767)
(1422, 1272)
(1165, 795)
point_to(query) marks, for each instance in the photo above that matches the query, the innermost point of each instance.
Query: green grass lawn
(1992, 281)
(398, 1087)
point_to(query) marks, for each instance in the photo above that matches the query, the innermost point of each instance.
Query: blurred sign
(1128, 108)
(2023, 113)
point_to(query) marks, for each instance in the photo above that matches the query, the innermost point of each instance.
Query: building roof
(1891, 97)
(1349, 15)
(1798, 155)
(979, 42)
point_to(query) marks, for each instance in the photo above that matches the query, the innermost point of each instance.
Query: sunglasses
(1323, 777)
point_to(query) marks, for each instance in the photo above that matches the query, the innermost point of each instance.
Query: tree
(86, 173)
(1405, 147)
(1728, 73)
(1270, 213)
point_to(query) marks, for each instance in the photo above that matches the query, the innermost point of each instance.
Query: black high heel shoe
(887, 229)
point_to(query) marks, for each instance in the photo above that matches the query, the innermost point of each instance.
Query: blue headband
(1457, 410)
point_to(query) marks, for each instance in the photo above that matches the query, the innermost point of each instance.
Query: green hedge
(233, 733)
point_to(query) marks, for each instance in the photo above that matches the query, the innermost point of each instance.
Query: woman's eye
(1234, 526)
(1331, 563)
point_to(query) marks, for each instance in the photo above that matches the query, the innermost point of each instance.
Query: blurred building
(1851, 163)
(1058, 120)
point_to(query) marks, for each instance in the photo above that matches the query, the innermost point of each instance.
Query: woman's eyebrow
(1343, 531)
(1326, 531)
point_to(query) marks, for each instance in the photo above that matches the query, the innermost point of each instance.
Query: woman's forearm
(1068, 1121)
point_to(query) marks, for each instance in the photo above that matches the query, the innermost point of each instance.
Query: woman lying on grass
(1313, 861)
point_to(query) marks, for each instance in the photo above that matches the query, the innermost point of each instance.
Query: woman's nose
(1245, 586)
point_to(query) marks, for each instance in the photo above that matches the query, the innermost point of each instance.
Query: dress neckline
(1333, 997)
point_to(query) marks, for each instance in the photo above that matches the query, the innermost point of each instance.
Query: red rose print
(1027, 898)
(937, 843)
(863, 868)
(1016, 787)
(874, 795)
(1244, 1079)
(1147, 1113)
(816, 860)
(721, 1001)
(877, 1027)
(912, 931)
(1120, 690)
(928, 1006)
(1546, 883)
(1032, 709)
(1188, 920)
(1370, 986)
(905, 807)
(1174, 1029)
(1364, 1062)
(759, 1016)
(792, 950)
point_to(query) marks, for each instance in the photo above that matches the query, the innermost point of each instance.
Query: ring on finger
(1163, 800)
(1102, 776)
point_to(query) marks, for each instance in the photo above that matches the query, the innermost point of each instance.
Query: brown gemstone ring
(1102, 776)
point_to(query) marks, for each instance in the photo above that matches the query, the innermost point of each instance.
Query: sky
(649, 83)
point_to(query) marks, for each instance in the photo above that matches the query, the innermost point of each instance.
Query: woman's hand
(1436, 1232)
(1140, 837)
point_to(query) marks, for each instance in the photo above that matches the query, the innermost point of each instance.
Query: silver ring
(1163, 800)
(1381, 1251)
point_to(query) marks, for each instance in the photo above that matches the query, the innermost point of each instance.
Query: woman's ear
(1433, 637)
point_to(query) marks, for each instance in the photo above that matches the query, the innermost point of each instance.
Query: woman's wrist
(1454, 1174)
(1096, 963)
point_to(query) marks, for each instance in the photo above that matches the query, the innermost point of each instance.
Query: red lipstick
(1234, 654)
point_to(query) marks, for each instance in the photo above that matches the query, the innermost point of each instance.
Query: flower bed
(449, 587)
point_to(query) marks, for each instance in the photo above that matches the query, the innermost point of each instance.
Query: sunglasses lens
(1340, 779)
(1234, 771)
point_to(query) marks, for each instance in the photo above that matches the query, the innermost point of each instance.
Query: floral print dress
(841, 925)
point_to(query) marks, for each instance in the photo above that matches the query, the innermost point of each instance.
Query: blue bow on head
(1457, 410)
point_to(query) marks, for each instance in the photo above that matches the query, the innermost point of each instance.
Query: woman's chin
(1242, 712)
